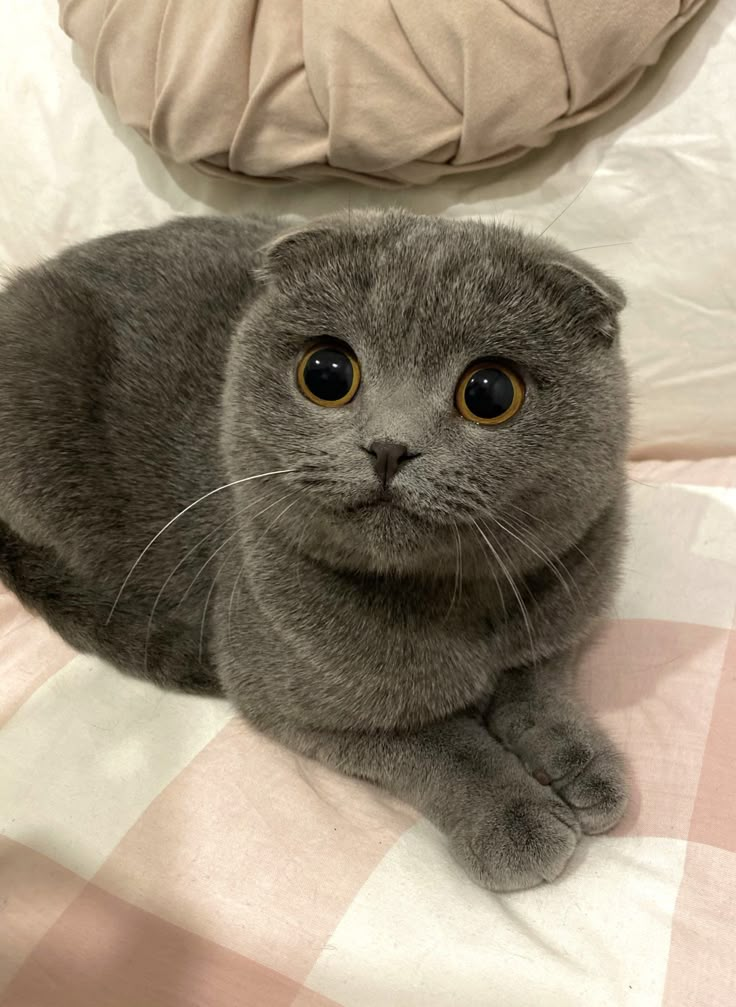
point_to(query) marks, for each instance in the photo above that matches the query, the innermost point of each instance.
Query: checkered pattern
(157, 852)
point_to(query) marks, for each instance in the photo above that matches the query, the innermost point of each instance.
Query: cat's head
(427, 378)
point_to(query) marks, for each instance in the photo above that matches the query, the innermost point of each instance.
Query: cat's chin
(372, 529)
(385, 534)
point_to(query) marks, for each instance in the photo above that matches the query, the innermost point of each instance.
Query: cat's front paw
(564, 749)
(527, 836)
(598, 794)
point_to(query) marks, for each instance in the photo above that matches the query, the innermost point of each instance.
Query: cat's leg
(507, 830)
(168, 654)
(536, 715)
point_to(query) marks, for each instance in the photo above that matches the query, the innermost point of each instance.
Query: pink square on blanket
(653, 684)
(30, 653)
(256, 848)
(701, 970)
(34, 893)
(714, 815)
(104, 952)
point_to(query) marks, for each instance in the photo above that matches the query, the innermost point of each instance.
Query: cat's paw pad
(524, 839)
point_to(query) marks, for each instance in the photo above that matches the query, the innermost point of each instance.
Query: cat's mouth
(387, 510)
(377, 502)
(388, 500)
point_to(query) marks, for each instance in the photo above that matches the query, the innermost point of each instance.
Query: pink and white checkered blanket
(157, 852)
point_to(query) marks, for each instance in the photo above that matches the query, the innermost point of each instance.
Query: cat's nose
(388, 458)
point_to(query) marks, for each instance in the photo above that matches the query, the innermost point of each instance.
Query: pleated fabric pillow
(392, 92)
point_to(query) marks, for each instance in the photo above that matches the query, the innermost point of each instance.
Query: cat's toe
(519, 843)
(573, 756)
(598, 793)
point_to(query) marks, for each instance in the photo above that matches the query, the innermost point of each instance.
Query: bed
(157, 852)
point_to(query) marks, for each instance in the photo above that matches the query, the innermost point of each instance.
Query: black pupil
(489, 393)
(329, 374)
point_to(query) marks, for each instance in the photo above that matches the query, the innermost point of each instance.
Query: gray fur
(142, 371)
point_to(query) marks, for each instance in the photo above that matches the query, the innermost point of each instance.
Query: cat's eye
(489, 393)
(328, 375)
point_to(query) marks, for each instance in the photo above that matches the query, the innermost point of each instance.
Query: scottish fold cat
(364, 477)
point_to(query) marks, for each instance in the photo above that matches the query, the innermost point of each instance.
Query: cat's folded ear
(294, 247)
(321, 242)
(311, 243)
(294, 252)
(593, 298)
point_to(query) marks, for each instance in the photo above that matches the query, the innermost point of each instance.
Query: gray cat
(364, 478)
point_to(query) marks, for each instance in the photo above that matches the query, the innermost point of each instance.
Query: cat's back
(112, 357)
(136, 290)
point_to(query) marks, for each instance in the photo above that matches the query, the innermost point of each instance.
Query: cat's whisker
(552, 528)
(459, 561)
(557, 562)
(520, 601)
(191, 551)
(564, 210)
(564, 576)
(458, 585)
(547, 560)
(203, 621)
(229, 538)
(166, 583)
(199, 500)
(228, 632)
(640, 482)
(181, 562)
(609, 244)
(298, 568)
(297, 494)
(493, 572)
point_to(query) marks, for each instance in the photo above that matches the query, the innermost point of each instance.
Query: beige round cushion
(386, 91)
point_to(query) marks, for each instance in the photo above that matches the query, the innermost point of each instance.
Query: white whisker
(265, 532)
(564, 210)
(240, 573)
(512, 585)
(228, 539)
(299, 544)
(204, 565)
(493, 574)
(458, 585)
(203, 620)
(556, 561)
(552, 528)
(205, 496)
(181, 562)
(547, 561)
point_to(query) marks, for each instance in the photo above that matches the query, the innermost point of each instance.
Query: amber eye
(489, 394)
(328, 376)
